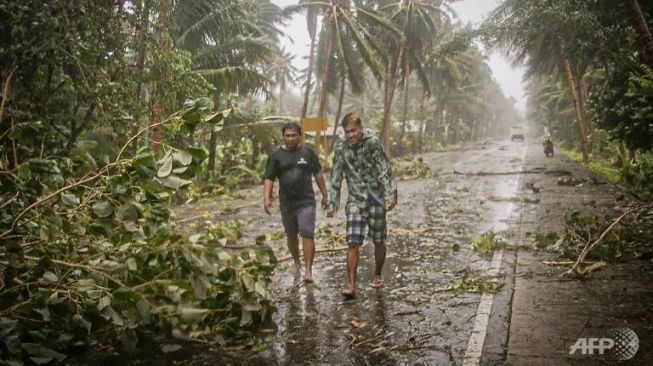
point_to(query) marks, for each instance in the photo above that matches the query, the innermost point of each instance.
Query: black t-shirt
(294, 169)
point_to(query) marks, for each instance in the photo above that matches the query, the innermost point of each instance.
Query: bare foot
(349, 293)
(308, 276)
(294, 268)
(377, 282)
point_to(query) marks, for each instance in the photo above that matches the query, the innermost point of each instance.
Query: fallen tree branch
(373, 339)
(576, 269)
(563, 263)
(5, 89)
(85, 267)
(532, 171)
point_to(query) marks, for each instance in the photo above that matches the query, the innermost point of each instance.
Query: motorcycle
(548, 148)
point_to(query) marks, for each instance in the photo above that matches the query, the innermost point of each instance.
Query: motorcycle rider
(548, 146)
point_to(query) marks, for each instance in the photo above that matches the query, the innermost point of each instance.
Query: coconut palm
(281, 71)
(344, 40)
(549, 38)
(417, 21)
(228, 39)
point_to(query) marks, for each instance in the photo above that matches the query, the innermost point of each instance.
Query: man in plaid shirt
(372, 191)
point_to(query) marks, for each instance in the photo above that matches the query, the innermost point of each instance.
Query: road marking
(477, 339)
(479, 331)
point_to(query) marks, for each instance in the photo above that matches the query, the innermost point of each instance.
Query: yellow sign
(314, 123)
(319, 125)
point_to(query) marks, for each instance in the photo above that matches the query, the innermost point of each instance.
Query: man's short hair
(351, 117)
(292, 126)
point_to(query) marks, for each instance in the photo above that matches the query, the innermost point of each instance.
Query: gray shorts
(299, 220)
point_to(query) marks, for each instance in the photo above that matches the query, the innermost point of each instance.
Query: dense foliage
(91, 250)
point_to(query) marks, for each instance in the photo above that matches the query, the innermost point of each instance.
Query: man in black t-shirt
(294, 164)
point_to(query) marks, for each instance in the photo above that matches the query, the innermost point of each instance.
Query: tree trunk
(311, 20)
(643, 31)
(323, 88)
(155, 130)
(422, 122)
(334, 135)
(282, 94)
(589, 125)
(210, 165)
(579, 113)
(157, 108)
(141, 34)
(325, 75)
(389, 92)
(437, 119)
(404, 114)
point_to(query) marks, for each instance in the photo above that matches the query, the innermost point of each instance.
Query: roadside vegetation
(113, 114)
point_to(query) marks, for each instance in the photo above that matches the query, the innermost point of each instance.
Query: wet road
(414, 319)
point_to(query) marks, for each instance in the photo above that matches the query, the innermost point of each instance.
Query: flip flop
(348, 295)
(377, 283)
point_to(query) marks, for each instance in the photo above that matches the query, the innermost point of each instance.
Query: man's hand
(324, 202)
(390, 204)
(331, 212)
(267, 206)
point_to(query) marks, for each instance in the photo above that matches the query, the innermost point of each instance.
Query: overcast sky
(468, 11)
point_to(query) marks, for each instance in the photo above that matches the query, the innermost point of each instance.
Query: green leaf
(199, 153)
(24, 133)
(245, 318)
(182, 157)
(44, 166)
(41, 355)
(252, 306)
(6, 326)
(144, 311)
(165, 166)
(175, 182)
(167, 348)
(80, 321)
(192, 315)
(50, 277)
(131, 264)
(69, 199)
(259, 287)
(215, 118)
(104, 302)
(127, 212)
(102, 209)
(248, 281)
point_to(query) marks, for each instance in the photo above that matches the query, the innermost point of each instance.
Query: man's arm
(335, 180)
(385, 177)
(321, 184)
(268, 184)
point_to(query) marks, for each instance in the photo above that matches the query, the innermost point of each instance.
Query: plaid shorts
(374, 217)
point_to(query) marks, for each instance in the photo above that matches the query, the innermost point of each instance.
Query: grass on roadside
(488, 242)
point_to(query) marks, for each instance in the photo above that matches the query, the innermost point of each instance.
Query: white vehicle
(516, 133)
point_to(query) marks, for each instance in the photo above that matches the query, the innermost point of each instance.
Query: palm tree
(548, 37)
(228, 40)
(344, 40)
(417, 20)
(281, 71)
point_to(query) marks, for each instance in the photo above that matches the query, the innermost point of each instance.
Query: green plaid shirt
(367, 171)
